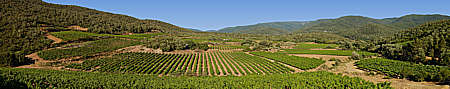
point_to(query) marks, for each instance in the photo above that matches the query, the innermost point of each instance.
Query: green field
(200, 64)
(402, 69)
(87, 49)
(327, 52)
(35, 78)
(315, 46)
(299, 62)
(77, 35)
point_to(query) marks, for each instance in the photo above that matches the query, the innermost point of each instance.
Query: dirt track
(55, 39)
(351, 70)
(348, 68)
(78, 28)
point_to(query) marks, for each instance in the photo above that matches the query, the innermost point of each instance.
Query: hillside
(318, 37)
(353, 27)
(264, 30)
(364, 28)
(23, 25)
(427, 44)
(285, 26)
(409, 21)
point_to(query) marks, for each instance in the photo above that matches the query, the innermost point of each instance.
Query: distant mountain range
(197, 30)
(353, 27)
(280, 26)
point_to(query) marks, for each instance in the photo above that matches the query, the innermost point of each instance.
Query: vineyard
(319, 46)
(328, 52)
(89, 48)
(73, 35)
(299, 62)
(199, 64)
(35, 78)
(401, 69)
(227, 47)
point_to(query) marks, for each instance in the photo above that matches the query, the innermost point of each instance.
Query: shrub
(356, 56)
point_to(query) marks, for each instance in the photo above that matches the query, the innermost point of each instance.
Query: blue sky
(216, 14)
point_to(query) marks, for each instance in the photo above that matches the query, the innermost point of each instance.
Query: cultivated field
(87, 48)
(198, 64)
(299, 62)
(75, 79)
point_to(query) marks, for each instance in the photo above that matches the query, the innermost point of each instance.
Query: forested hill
(23, 24)
(364, 28)
(353, 27)
(280, 26)
(38, 13)
(428, 44)
(264, 30)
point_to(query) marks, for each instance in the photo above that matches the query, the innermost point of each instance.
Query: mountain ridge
(346, 26)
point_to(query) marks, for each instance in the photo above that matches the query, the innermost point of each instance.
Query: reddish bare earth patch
(55, 39)
(38, 63)
(309, 43)
(78, 28)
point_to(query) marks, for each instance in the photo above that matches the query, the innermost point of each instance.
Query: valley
(45, 45)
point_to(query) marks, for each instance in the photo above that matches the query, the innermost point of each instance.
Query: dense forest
(428, 44)
(23, 25)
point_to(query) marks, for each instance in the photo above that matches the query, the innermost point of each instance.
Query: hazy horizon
(214, 15)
